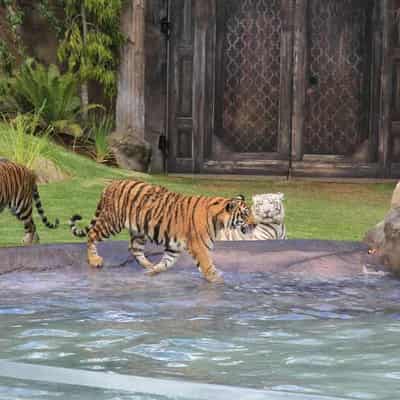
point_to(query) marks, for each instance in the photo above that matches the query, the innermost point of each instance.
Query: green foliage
(11, 43)
(99, 128)
(7, 59)
(47, 10)
(18, 141)
(14, 14)
(92, 41)
(38, 89)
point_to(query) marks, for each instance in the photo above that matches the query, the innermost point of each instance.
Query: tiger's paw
(155, 270)
(215, 277)
(96, 261)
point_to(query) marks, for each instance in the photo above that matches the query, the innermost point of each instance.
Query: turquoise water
(336, 338)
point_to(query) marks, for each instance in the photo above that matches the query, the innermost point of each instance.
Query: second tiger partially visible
(19, 192)
(174, 220)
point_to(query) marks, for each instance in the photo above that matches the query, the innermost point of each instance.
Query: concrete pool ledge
(141, 385)
(302, 258)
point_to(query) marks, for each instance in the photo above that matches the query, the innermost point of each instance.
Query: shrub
(18, 141)
(43, 91)
(99, 128)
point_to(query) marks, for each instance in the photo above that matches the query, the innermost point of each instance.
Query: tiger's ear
(232, 203)
(281, 196)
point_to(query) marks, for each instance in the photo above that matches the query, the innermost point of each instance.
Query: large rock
(384, 239)
(47, 171)
(130, 150)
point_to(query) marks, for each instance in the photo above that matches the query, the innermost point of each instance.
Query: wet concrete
(308, 258)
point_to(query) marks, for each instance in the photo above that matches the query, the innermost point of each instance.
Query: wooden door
(338, 78)
(252, 94)
(180, 115)
(268, 86)
(230, 85)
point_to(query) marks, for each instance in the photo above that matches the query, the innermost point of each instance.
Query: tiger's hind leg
(24, 214)
(136, 246)
(31, 236)
(168, 259)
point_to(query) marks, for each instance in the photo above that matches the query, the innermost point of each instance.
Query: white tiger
(269, 213)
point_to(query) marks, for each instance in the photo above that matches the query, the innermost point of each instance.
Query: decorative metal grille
(336, 114)
(251, 74)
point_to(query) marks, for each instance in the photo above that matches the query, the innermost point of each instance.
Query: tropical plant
(19, 142)
(36, 88)
(91, 43)
(99, 128)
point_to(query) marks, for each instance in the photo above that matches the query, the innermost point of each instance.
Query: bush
(45, 91)
(19, 143)
(99, 128)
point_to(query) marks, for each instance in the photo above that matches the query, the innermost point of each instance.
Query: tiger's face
(240, 214)
(268, 208)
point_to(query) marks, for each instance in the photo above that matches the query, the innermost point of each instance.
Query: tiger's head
(268, 208)
(238, 215)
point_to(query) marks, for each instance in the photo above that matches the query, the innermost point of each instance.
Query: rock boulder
(130, 150)
(384, 239)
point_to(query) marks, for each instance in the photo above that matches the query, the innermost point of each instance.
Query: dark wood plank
(286, 87)
(299, 78)
(203, 77)
(180, 97)
(376, 61)
(386, 89)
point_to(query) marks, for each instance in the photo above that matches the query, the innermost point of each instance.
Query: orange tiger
(17, 190)
(171, 219)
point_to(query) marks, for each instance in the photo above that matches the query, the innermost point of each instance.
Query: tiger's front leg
(202, 256)
(168, 259)
(94, 259)
(136, 247)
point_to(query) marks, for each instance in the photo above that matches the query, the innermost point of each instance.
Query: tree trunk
(130, 99)
(84, 84)
(128, 142)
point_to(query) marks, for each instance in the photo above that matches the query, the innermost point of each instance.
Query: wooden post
(386, 90)
(375, 84)
(203, 77)
(299, 79)
(286, 86)
(130, 114)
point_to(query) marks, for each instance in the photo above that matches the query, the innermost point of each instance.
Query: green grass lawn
(313, 210)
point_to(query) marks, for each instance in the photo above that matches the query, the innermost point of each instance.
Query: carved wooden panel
(250, 61)
(181, 86)
(337, 95)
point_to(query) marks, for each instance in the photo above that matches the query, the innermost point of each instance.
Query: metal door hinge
(163, 144)
(165, 25)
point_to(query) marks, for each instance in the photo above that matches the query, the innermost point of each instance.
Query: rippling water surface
(337, 338)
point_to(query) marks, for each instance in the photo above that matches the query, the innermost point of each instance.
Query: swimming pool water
(337, 338)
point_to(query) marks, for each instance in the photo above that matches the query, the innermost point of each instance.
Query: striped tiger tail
(78, 232)
(40, 210)
(82, 232)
